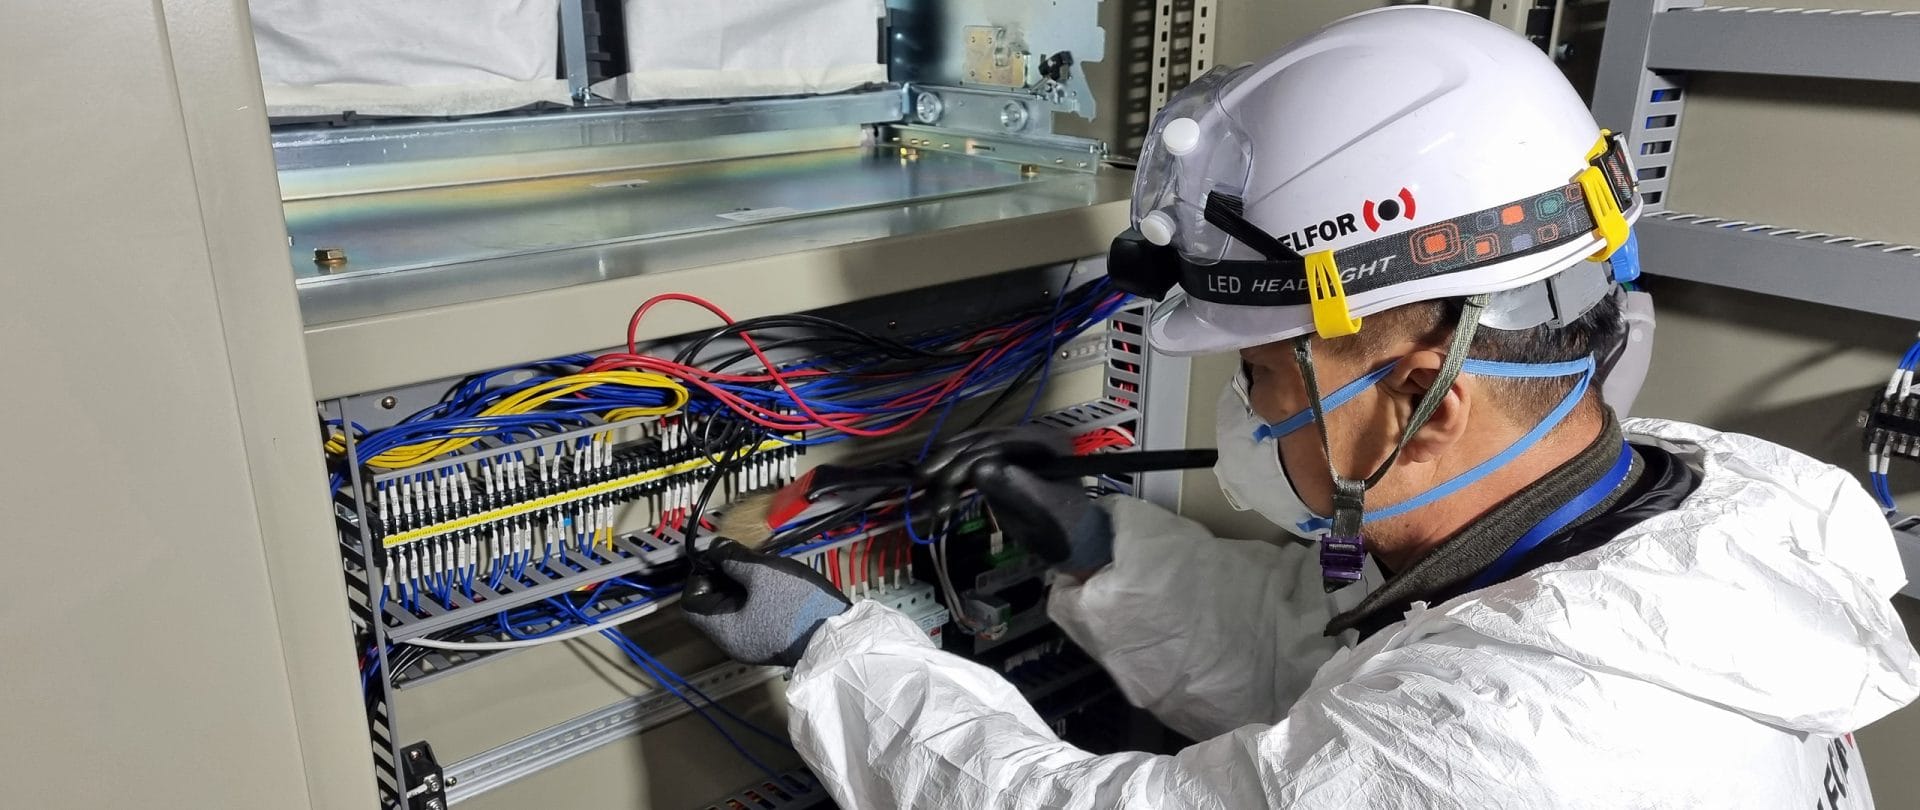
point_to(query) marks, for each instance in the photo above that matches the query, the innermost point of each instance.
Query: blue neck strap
(1555, 522)
(1489, 368)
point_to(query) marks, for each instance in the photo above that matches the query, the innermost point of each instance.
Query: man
(1511, 598)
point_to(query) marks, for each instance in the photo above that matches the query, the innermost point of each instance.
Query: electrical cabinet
(521, 445)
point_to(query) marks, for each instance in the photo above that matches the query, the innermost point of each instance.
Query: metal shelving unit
(1816, 43)
(1650, 47)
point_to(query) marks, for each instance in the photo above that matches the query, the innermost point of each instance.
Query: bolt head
(1013, 116)
(928, 108)
(330, 256)
(388, 402)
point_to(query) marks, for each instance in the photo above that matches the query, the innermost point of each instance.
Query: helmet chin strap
(1343, 551)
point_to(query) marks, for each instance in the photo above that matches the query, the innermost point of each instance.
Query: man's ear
(1409, 381)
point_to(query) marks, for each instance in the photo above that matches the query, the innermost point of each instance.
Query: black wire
(889, 346)
(721, 468)
(886, 345)
(1038, 363)
(1026, 375)
(743, 355)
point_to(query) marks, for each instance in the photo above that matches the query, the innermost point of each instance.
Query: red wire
(833, 566)
(753, 346)
(927, 397)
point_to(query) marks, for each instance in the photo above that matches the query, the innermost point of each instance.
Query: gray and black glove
(758, 608)
(1055, 519)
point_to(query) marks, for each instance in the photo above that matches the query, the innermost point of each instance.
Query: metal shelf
(1818, 43)
(1859, 274)
(1650, 48)
(453, 321)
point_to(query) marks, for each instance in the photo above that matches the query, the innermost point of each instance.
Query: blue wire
(1046, 365)
(662, 668)
(639, 660)
(938, 423)
(906, 517)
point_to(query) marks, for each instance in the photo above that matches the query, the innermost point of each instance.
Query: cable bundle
(1099, 439)
(872, 385)
(553, 400)
(1882, 443)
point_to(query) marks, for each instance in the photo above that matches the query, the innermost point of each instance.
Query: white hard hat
(1403, 154)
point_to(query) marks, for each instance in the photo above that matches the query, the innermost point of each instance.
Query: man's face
(1362, 431)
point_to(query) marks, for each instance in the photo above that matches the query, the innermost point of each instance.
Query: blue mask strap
(1493, 368)
(1339, 397)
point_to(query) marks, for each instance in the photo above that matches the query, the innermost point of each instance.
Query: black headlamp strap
(1576, 211)
(1229, 213)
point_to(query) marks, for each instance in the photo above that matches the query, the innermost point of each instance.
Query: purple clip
(1341, 559)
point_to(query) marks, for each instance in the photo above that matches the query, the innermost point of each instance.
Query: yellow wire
(527, 401)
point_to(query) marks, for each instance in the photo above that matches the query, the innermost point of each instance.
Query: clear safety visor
(1194, 148)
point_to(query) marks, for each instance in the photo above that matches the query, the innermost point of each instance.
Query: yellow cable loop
(527, 401)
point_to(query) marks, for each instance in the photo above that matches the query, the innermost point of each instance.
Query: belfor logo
(1387, 210)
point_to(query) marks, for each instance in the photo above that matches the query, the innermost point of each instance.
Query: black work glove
(758, 608)
(1053, 518)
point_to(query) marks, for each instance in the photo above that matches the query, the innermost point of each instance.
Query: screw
(1029, 171)
(413, 756)
(388, 402)
(453, 780)
(432, 781)
(436, 804)
(1862, 420)
(1064, 354)
(893, 324)
(329, 257)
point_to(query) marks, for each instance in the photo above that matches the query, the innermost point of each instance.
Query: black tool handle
(1125, 463)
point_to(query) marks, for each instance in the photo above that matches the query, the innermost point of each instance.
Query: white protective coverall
(1717, 655)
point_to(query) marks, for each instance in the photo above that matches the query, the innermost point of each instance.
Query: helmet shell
(1381, 123)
